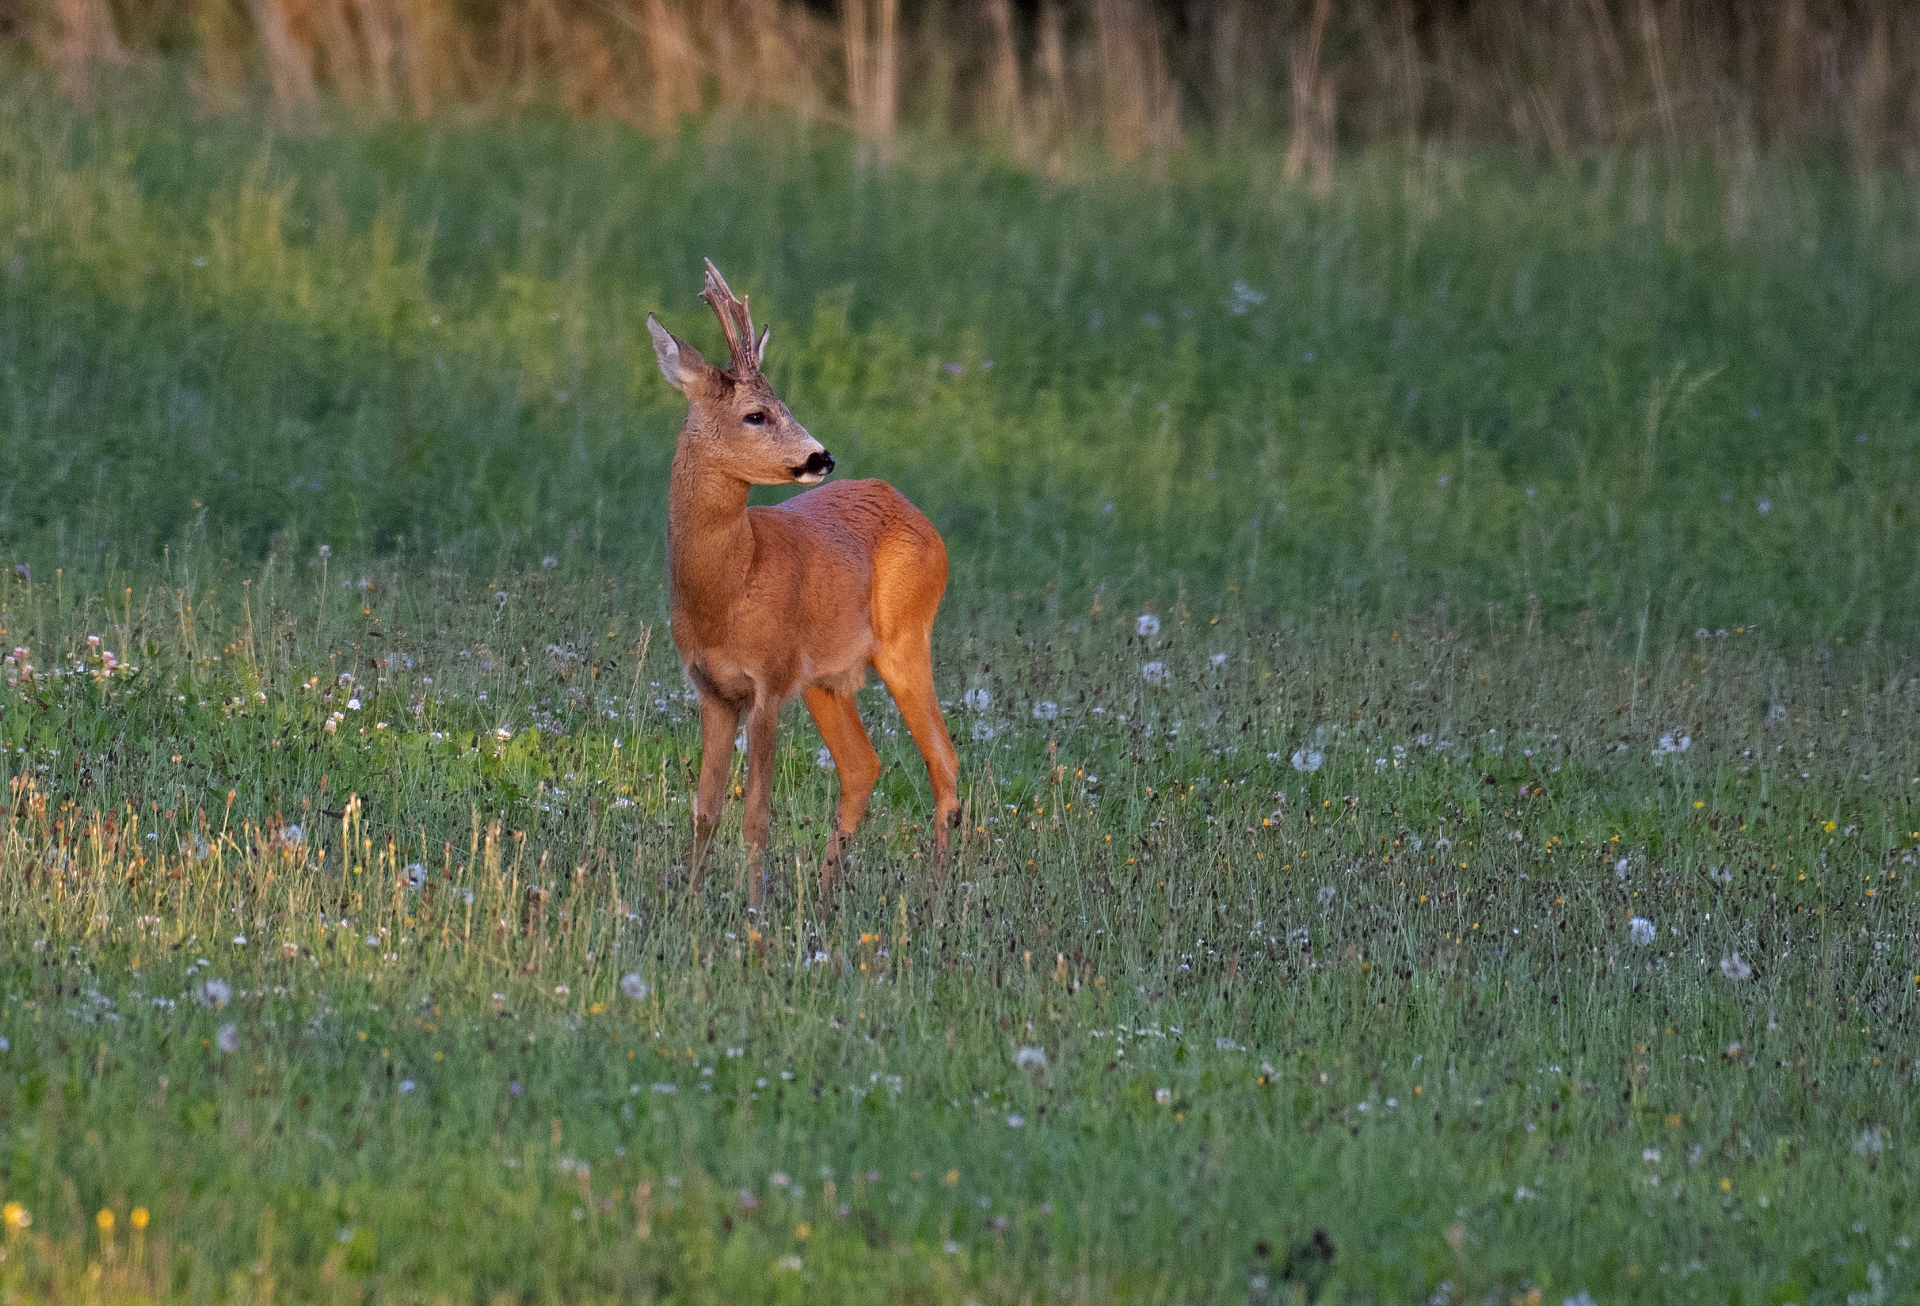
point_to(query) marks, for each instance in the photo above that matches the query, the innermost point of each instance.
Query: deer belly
(841, 666)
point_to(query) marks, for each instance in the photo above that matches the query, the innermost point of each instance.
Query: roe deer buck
(796, 599)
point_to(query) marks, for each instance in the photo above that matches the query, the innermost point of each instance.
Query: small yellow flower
(950, 1178)
(138, 1218)
(15, 1216)
(803, 1231)
(1726, 1185)
(104, 1220)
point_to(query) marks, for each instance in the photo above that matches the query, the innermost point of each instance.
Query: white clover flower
(1735, 969)
(634, 985)
(1163, 1096)
(1045, 710)
(978, 700)
(1030, 1058)
(1307, 759)
(1146, 625)
(1154, 673)
(353, 704)
(549, 562)
(824, 758)
(1640, 930)
(229, 1037)
(407, 1086)
(1016, 1121)
(1651, 1156)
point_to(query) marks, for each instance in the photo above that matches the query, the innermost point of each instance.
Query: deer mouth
(815, 469)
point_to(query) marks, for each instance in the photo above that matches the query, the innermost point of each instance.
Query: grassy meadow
(1433, 670)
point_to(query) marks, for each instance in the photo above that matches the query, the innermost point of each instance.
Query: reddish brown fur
(798, 599)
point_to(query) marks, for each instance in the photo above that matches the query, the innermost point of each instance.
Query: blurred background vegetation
(1532, 311)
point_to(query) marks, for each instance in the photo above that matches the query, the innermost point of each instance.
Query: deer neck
(709, 545)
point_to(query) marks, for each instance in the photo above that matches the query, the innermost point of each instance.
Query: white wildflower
(1307, 759)
(1735, 969)
(1030, 1058)
(634, 985)
(229, 1037)
(1045, 710)
(978, 700)
(824, 758)
(1146, 625)
(1640, 930)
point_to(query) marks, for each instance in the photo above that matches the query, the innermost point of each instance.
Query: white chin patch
(810, 478)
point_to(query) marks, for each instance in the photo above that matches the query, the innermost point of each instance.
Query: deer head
(735, 421)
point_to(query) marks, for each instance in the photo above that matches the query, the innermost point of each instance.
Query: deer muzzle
(815, 469)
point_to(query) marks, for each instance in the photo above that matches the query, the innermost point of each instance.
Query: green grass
(1394, 998)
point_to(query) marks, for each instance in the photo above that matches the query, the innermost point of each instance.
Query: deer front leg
(838, 718)
(718, 721)
(763, 720)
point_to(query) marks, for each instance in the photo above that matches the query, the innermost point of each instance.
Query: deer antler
(736, 321)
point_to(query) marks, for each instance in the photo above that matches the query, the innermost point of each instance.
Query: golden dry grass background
(1046, 80)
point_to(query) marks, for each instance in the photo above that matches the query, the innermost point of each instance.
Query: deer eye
(755, 418)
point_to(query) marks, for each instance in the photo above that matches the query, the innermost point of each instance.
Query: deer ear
(760, 345)
(679, 361)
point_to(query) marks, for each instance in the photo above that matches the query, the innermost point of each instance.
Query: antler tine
(735, 320)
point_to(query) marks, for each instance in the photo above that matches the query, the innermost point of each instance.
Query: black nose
(817, 464)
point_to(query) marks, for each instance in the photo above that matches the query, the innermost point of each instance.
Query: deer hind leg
(838, 718)
(907, 668)
(718, 721)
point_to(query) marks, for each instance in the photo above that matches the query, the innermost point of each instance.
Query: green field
(1527, 551)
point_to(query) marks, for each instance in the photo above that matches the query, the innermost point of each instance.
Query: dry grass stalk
(1310, 141)
(673, 65)
(84, 36)
(1140, 111)
(1006, 106)
(871, 30)
(288, 70)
